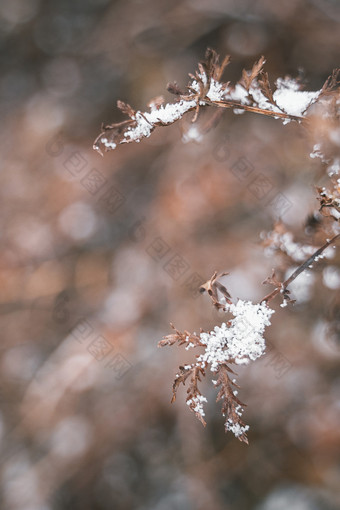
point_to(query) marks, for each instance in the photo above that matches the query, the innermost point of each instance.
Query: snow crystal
(236, 428)
(292, 100)
(242, 341)
(239, 94)
(238, 409)
(288, 97)
(261, 99)
(197, 404)
(216, 92)
(195, 86)
(110, 145)
(170, 112)
(204, 78)
(165, 114)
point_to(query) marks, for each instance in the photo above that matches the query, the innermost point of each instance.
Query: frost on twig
(252, 93)
(237, 341)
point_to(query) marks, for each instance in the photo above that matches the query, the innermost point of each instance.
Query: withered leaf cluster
(194, 372)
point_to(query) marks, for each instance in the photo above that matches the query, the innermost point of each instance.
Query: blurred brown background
(100, 254)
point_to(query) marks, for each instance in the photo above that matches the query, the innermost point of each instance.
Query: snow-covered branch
(252, 93)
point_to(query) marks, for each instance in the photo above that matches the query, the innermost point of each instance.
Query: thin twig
(283, 286)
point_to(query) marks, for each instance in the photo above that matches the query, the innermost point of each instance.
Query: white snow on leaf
(216, 91)
(166, 114)
(292, 100)
(239, 93)
(242, 340)
(261, 99)
(110, 145)
(236, 428)
(196, 404)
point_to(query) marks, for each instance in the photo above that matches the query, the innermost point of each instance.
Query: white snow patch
(197, 404)
(216, 91)
(166, 114)
(292, 100)
(236, 428)
(242, 341)
(239, 94)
